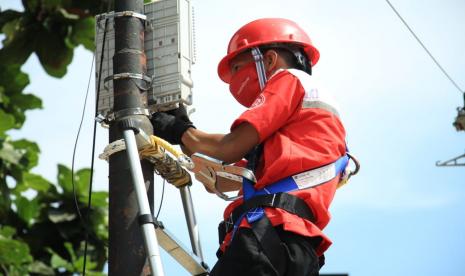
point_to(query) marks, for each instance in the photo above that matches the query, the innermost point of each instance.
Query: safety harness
(276, 195)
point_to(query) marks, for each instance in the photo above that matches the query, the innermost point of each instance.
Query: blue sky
(401, 215)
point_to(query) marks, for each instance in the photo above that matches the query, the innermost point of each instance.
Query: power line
(426, 49)
(91, 177)
(83, 222)
(76, 143)
(161, 200)
(89, 200)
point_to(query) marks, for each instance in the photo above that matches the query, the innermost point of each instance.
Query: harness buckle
(229, 223)
(348, 173)
(208, 170)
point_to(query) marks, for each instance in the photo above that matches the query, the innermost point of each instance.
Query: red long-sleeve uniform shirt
(300, 130)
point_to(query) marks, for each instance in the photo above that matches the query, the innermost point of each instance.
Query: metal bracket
(105, 121)
(131, 111)
(122, 14)
(128, 76)
(99, 118)
(112, 15)
(130, 13)
(452, 162)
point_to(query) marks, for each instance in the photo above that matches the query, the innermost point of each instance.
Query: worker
(289, 132)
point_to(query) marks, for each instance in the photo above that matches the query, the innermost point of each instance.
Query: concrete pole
(126, 245)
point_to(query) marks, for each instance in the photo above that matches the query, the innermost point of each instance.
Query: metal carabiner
(357, 166)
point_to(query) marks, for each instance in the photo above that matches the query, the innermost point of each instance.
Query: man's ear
(270, 59)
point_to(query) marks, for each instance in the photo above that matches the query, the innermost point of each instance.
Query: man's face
(240, 61)
(272, 61)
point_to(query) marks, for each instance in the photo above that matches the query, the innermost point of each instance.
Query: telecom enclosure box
(169, 47)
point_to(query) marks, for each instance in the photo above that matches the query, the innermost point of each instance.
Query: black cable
(424, 47)
(76, 203)
(76, 142)
(161, 200)
(89, 202)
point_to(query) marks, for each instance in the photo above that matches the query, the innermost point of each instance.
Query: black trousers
(244, 256)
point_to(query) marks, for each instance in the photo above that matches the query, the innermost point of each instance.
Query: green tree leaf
(7, 232)
(31, 5)
(64, 178)
(5, 200)
(17, 46)
(89, 7)
(26, 101)
(12, 78)
(28, 210)
(69, 248)
(84, 33)
(49, 234)
(58, 262)
(100, 199)
(40, 268)
(99, 220)
(7, 122)
(34, 182)
(53, 53)
(13, 252)
(81, 180)
(7, 151)
(79, 262)
(19, 103)
(7, 16)
(31, 151)
(4, 100)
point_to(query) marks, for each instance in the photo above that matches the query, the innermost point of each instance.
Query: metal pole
(126, 245)
(148, 229)
(191, 221)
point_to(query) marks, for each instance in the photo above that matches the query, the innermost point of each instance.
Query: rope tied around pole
(169, 168)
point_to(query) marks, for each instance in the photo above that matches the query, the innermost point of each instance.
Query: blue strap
(285, 185)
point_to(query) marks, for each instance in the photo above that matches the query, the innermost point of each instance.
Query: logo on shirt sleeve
(258, 101)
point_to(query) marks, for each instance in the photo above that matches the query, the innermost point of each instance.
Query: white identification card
(315, 177)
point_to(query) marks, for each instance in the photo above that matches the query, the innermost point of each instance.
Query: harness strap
(276, 196)
(287, 202)
(270, 243)
(262, 228)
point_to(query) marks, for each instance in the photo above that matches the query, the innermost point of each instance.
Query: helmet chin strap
(258, 57)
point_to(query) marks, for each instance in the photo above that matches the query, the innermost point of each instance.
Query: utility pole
(127, 255)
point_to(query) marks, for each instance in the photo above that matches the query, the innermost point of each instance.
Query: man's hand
(175, 127)
(171, 127)
(180, 113)
(229, 148)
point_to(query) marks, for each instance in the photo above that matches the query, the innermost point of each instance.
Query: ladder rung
(176, 249)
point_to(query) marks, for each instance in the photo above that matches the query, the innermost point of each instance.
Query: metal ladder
(154, 232)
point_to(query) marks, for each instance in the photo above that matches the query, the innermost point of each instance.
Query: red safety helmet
(262, 32)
